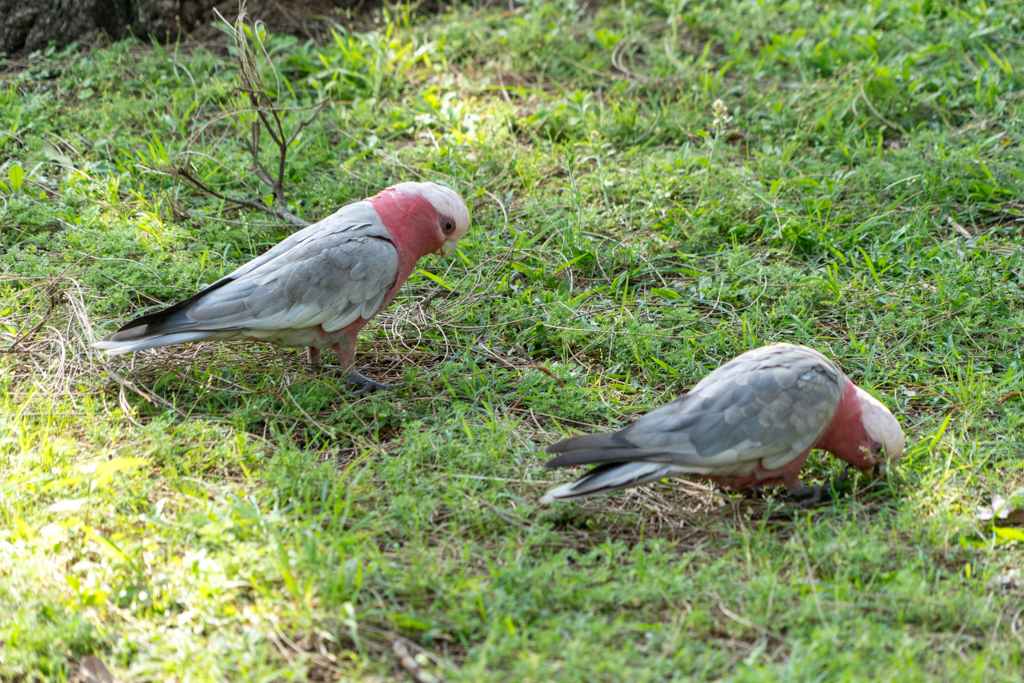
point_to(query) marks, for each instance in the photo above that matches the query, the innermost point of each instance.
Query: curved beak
(447, 249)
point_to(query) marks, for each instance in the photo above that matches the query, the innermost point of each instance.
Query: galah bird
(318, 287)
(750, 423)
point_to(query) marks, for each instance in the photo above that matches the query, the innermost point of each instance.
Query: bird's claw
(353, 377)
(366, 383)
(810, 496)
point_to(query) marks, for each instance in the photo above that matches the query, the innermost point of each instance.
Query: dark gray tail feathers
(608, 478)
(160, 328)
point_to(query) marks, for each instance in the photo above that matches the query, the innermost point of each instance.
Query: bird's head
(863, 432)
(425, 217)
(885, 433)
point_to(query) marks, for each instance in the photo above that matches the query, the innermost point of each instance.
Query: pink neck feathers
(413, 223)
(845, 437)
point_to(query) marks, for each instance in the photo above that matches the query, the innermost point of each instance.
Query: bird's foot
(367, 384)
(353, 377)
(809, 496)
(812, 496)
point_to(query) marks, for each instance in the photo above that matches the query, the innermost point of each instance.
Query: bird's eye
(448, 226)
(876, 448)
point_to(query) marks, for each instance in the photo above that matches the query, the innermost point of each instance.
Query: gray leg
(313, 357)
(346, 350)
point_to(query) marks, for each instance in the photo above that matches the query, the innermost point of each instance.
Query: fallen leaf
(1015, 517)
(1009, 534)
(68, 504)
(93, 670)
(54, 154)
(1000, 510)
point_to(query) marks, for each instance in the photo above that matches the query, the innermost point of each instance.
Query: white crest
(880, 425)
(446, 201)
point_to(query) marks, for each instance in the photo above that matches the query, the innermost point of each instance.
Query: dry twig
(409, 663)
(268, 116)
(93, 670)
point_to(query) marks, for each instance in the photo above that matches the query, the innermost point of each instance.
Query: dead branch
(184, 173)
(268, 116)
(409, 663)
(54, 301)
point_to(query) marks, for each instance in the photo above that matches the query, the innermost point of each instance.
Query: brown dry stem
(268, 116)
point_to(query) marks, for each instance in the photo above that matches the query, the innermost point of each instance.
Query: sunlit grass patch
(655, 188)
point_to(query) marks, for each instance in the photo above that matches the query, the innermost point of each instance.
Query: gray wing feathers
(311, 286)
(769, 404)
(334, 271)
(359, 217)
(329, 276)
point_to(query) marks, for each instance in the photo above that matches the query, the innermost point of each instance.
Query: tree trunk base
(28, 25)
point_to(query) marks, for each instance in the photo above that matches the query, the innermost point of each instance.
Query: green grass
(215, 512)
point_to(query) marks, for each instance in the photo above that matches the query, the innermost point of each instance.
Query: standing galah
(318, 287)
(751, 422)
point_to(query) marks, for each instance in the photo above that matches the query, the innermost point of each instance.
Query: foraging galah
(750, 423)
(318, 287)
